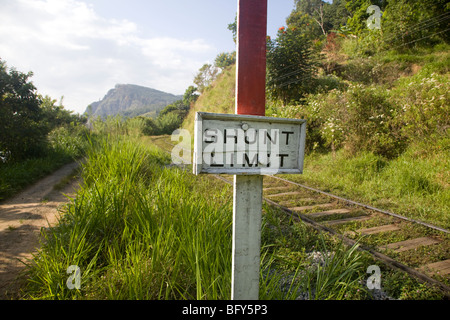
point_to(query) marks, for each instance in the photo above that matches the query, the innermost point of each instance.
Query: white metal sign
(245, 144)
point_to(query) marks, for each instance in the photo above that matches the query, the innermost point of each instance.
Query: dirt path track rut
(21, 219)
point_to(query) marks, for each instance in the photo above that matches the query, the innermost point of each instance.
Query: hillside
(377, 131)
(131, 101)
(218, 98)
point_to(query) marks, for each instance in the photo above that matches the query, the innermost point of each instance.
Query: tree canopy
(290, 66)
(25, 116)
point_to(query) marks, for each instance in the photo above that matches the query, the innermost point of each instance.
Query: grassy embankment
(377, 131)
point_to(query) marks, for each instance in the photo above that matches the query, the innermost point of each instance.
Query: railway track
(420, 249)
(375, 229)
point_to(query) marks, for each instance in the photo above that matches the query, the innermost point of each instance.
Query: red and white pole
(247, 193)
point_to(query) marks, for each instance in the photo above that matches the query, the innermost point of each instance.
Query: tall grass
(140, 230)
(137, 231)
(336, 275)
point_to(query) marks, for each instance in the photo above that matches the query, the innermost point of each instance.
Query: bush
(69, 141)
(360, 118)
(368, 122)
(422, 105)
(164, 124)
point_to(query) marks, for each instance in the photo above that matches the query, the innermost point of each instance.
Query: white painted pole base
(247, 209)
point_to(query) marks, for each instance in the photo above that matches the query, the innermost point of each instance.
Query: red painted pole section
(251, 57)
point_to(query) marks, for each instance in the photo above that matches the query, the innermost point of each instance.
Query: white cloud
(77, 53)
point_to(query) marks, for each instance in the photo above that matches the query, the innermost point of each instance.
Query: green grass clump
(137, 230)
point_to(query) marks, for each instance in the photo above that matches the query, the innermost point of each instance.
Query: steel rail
(378, 255)
(387, 260)
(364, 205)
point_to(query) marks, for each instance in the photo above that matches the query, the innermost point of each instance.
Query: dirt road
(21, 219)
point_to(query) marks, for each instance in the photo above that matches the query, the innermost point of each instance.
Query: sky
(80, 49)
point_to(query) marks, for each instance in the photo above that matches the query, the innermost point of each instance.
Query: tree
(359, 15)
(318, 16)
(337, 14)
(315, 17)
(172, 116)
(54, 115)
(233, 28)
(290, 65)
(206, 75)
(225, 59)
(406, 22)
(304, 23)
(22, 135)
(190, 96)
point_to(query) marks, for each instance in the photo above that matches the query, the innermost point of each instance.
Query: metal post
(247, 194)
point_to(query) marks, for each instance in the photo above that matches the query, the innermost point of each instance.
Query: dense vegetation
(376, 101)
(378, 105)
(37, 134)
(139, 228)
(171, 117)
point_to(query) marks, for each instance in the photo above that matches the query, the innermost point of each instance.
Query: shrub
(422, 105)
(360, 118)
(368, 123)
(69, 141)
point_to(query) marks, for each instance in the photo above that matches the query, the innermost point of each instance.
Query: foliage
(304, 23)
(26, 117)
(233, 28)
(140, 230)
(337, 275)
(220, 98)
(54, 116)
(167, 121)
(309, 14)
(225, 59)
(414, 185)
(37, 136)
(65, 144)
(290, 66)
(357, 21)
(171, 117)
(205, 77)
(137, 231)
(305, 264)
(70, 141)
(422, 105)
(316, 18)
(190, 96)
(23, 135)
(406, 22)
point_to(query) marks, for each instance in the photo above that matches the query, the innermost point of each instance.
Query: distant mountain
(130, 101)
